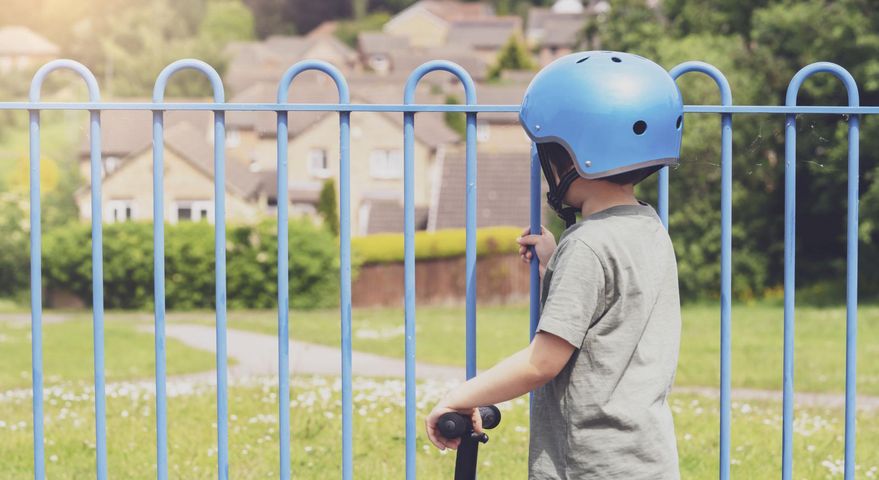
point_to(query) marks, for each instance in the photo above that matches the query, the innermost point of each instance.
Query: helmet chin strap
(556, 194)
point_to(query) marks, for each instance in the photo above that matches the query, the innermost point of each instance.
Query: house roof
(190, 144)
(404, 62)
(386, 216)
(501, 188)
(432, 129)
(126, 131)
(551, 29)
(500, 94)
(450, 10)
(18, 40)
(374, 43)
(485, 33)
(252, 62)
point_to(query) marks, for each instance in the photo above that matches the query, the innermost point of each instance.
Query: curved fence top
(192, 64)
(440, 65)
(710, 70)
(317, 65)
(90, 81)
(851, 86)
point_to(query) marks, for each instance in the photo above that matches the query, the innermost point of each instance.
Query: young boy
(603, 359)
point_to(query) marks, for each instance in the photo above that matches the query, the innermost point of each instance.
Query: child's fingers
(528, 239)
(476, 417)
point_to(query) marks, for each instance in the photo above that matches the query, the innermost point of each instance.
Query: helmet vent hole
(680, 122)
(639, 127)
(582, 59)
(616, 59)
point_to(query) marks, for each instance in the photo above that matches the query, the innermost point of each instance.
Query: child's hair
(562, 163)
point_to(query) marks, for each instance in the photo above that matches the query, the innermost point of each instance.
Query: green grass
(757, 340)
(67, 351)
(379, 435)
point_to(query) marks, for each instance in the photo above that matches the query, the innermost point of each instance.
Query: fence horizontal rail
(412, 108)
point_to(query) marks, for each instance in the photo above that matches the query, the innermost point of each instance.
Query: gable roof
(547, 28)
(190, 144)
(431, 130)
(501, 188)
(126, 131)
(374, 43)
(252, 62)
(485, 33)
(18, 40)
(386, 216)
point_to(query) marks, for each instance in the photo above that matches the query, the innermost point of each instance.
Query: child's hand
(433, 431)
(544, 244)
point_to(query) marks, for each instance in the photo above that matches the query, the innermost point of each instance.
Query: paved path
(257, 354)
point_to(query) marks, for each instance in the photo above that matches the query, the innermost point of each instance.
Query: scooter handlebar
(454, 425)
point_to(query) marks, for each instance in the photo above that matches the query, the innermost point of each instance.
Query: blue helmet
(612, 112)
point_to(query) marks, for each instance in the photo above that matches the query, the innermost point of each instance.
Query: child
(603, 359)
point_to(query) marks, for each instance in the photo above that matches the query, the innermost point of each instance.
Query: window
(318, 166)
(118, 211)
(386, 163)
(196, 210)
(483, 131)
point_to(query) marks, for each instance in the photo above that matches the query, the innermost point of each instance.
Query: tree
(513, 56)
(327, 207)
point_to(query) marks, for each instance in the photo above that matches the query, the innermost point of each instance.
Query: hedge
(251, 265)
(388, 247)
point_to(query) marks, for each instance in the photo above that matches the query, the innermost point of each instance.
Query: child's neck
(604, 195)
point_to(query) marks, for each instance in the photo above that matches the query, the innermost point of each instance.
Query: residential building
(23, 49)
(427, 23)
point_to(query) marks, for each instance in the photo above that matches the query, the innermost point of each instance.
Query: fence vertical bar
(534, 285)
(219, 252)
(159, 291)
(725, 253)
(36, 295)
(662, 199)
(409, 237)
(851, 264)
(97, 266)
(283, 293)
(851, 294)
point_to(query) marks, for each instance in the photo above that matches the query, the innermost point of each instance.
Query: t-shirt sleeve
(576, 294)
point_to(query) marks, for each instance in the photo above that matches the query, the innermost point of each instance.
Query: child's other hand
(433, 432)
(544, 244)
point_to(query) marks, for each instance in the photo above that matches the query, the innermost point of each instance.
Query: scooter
(454, 425)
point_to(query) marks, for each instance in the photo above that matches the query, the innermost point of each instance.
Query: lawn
(757, 340)
(379, 437)
(378, 423)
(68, 346)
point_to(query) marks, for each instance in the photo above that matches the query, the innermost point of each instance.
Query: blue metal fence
(408, 108)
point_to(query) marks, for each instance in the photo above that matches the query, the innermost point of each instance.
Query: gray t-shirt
(611, 291)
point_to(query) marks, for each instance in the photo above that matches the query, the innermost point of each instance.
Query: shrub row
(388, 247)
(251, 265)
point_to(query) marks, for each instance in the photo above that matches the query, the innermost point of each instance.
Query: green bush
(388, 247)
(251, 265)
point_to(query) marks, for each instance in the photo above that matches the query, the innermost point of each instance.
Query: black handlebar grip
(454, 425)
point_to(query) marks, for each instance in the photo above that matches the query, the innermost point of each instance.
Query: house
(23, 49)
(426, 23)
(127, 192)
(557, 31)
(484, 36)
(501, 133)
(125, 132)
(266, 61)
(375, 150)
(502, 191)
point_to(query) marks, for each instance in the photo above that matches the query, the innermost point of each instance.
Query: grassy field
(378, 422)
(67, 353)
(757, 340)
(379, 435)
